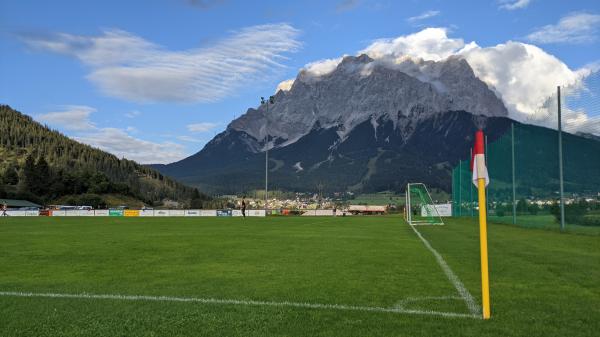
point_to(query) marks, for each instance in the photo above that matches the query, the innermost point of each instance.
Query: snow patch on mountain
(298, 167)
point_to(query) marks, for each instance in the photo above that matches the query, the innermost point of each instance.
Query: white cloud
(423, 16)
(190, 139)
(72, 117)
(285, 85)
(522, 74)
(514, 4)
(573, 28)
(428, 44)
(201, 127)
(133, 114)
(121, 144)
(129, 67)
(322, 67)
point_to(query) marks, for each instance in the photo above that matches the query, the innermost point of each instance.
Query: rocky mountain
(365, 126)
(361, 89)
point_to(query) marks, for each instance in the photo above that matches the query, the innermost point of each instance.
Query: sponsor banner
(161, 212)
(59, 213)
(192, 212)
(71, 212)
(115, 212)
(223, 212)
(318, 212)
(45, 213)
(147, 212)
(236, 212)
(176, 212)
(32, 213)
(442, 209)
(16, 213)
(85, 212)
(131, 212)
(101, 212)
(256, 212)
(208, 212)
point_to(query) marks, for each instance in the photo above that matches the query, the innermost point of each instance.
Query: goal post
(420, 208)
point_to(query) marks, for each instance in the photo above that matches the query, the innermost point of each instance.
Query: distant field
(297, 276)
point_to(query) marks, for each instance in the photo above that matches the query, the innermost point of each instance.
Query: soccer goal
(420, 209)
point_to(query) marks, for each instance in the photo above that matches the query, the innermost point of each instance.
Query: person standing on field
(243, 207)
(4, 207)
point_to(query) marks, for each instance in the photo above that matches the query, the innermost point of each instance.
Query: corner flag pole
(481, 180)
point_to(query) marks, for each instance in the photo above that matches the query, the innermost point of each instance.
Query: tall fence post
(560, 164)
(471, 191)
(460, 188)
(514, 188)
(487, 190)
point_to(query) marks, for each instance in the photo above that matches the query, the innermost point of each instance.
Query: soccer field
(293, 276)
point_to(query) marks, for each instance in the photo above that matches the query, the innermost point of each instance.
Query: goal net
(420, 208)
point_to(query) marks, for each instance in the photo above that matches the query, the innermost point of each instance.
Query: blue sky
(155, 80)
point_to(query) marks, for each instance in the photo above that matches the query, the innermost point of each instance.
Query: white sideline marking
(460, 287)
(236, 302)
(402, 304)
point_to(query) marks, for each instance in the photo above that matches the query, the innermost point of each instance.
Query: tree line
(41, 164)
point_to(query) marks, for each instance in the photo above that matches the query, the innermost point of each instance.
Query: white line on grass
(460, 287)
(403, 303)
(236, 302)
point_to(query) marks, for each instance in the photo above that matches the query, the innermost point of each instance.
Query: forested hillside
(42, 165)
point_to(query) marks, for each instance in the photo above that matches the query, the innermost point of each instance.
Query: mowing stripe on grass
(235, 302)
(460, 287)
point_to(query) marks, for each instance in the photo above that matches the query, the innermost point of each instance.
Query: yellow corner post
(485, 279)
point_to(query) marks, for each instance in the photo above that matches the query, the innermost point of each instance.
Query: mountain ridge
(45, 165)
(362, 113)
(361, 88)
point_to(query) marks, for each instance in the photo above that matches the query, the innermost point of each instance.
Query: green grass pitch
(296, 276)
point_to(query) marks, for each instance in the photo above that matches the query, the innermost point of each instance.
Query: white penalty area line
(301, 305)
(460, 287)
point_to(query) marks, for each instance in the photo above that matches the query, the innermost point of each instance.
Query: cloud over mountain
(523, 75)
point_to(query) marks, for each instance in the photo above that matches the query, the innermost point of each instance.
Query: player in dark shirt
(243, 207)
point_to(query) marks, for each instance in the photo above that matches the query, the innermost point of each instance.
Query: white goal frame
(408, 204)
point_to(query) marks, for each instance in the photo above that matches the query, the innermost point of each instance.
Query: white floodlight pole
(271, 100)
(408, 209)
(560, 165)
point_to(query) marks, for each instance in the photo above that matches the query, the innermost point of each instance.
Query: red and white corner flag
(478, 161)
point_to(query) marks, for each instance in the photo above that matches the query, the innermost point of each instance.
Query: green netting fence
(523, 165)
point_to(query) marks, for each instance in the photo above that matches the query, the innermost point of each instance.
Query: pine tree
(29, 173)
(11, 177)
(42, 177)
